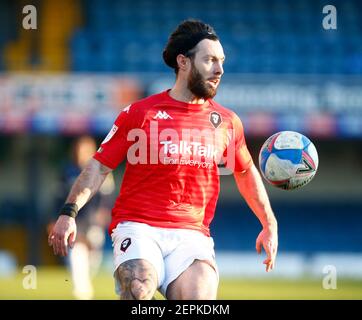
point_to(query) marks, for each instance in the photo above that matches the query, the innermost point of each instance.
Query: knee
(138, 280)
(142, 290)
(198, 282)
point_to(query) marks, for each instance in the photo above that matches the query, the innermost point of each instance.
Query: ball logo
(215, 119)
(125, 244)
(307, 166)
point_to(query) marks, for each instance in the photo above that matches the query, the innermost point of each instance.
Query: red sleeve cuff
(104, 161)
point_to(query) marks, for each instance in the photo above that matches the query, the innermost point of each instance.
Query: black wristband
(69, 209)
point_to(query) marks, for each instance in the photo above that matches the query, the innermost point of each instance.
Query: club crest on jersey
(125, 244)
(215, 119)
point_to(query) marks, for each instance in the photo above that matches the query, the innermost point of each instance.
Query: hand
(62, 235)
(268, 238)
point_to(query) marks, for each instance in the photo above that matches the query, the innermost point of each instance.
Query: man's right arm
(86, 185)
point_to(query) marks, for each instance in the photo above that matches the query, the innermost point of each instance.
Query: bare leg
(138, 280)
(197, 282)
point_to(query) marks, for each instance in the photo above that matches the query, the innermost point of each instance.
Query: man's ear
(181, 62)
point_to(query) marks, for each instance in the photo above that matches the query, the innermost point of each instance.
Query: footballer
(172, 143)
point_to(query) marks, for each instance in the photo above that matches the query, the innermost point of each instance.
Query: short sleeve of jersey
(237, 155)
(114, 147)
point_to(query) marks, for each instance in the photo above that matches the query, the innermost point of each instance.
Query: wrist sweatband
(69, 209)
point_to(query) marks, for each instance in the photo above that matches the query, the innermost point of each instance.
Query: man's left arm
(251, 187)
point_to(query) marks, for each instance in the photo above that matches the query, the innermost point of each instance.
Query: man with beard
(172, 143)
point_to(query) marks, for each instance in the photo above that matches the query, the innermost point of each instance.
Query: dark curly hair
(186, 36)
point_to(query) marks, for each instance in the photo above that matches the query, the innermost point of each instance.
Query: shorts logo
(215, 119)
(125, 244)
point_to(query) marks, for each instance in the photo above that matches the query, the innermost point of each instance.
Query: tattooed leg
(138, 280)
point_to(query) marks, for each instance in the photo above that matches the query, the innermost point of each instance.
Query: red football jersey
(172, 149)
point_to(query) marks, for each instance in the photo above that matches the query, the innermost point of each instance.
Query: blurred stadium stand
(276, 36)
(279, 39)
(307, 227)
(283, 71)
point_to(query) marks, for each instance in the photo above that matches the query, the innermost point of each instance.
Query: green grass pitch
(55, 283)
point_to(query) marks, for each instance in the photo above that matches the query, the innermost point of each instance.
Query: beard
(199, 86)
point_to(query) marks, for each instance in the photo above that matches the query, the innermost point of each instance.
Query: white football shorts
(171, 251)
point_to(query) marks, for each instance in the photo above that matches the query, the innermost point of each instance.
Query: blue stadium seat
(9, 27)
(259, 36)
(235, 227)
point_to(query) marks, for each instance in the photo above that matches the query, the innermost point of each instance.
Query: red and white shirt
(172, 150)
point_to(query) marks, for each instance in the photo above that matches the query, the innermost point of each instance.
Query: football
(288, 160)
